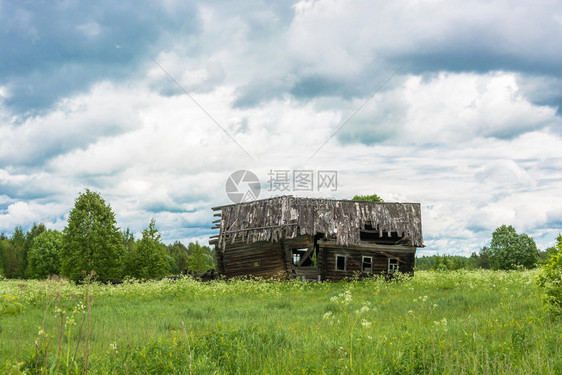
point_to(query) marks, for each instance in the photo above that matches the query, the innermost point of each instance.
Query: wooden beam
(392, 256)
(259, 228)
(306, 256)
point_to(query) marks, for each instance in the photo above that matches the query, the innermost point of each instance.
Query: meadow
(450, 322)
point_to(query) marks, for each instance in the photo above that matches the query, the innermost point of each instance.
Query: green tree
(201, 258)
(443, 263)
(19, 255)
(44, 255)
(148, 257)
(30, 236)
(180, 255)
(480, 259)
(509, 250)
(91, 240)
(129, 254)
(12, 254)
(4, 251)
(369, 198)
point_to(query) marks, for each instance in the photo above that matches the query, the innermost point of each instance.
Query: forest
(92, 241)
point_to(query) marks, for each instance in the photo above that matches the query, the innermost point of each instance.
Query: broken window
(376, 235)
(341, 261)
(367, 264)
(299, 255)
(392, 265)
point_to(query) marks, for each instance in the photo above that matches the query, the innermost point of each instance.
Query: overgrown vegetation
(551, 279)
(483, 321)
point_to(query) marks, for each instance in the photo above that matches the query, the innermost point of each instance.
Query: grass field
(456, 322)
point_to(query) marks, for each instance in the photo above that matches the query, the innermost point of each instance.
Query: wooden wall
(260, 259)
(273, 259)
(354, 260)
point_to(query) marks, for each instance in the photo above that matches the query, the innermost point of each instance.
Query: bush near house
(551, 278)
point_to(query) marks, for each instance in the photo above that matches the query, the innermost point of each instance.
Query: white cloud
(450, 108)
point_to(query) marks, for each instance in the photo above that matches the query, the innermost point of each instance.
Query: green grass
(472, 322)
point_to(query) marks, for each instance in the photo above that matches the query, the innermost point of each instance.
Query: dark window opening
(341, 261)
(367, 264)
(375, 235)
(392, 265)
(298, 255)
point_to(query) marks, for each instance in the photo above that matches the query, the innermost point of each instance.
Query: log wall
(261, 259)
(354, 258)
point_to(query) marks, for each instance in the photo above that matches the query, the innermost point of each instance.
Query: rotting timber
(316, 239)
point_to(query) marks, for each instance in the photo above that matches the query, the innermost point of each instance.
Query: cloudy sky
(456, 105)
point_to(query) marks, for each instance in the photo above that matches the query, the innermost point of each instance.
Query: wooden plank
(306, 256)
(260, 228)
(393, 257)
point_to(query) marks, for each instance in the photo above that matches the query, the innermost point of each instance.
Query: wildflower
(328, 315)
(347, 297)
(362, 310)
(365, 323)
(70, 321)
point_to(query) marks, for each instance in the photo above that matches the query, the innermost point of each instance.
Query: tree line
(91, 241)
(508, 250)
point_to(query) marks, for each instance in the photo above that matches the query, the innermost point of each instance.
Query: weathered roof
(287, 217)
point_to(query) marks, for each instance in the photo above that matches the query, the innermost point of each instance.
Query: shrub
(551, 278)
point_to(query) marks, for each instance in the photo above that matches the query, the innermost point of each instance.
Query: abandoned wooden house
(316, 239)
